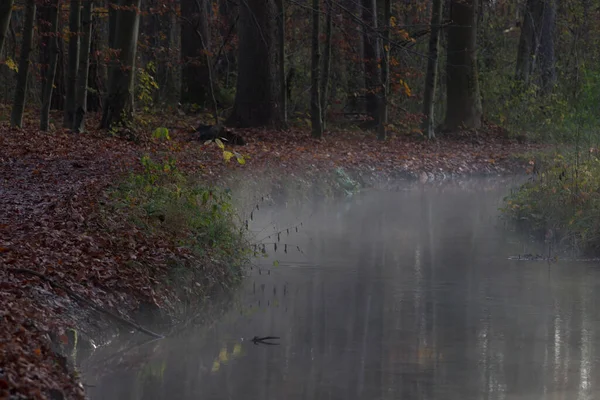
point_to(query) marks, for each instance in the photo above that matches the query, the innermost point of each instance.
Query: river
(397, 294)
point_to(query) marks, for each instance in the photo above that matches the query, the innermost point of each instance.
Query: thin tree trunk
(117, 107)
(52, 43)
(527, 42)
(281, 59)
(84, 67)
(5, 13)
(432, 69)
(315, 98)
(371, 57)
(74, 28)
(547, 57)
(23, 75)
(462, 82)
(326, 63)
(385, 71)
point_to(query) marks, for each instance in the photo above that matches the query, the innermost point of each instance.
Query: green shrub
(163, 201)
(562, 200)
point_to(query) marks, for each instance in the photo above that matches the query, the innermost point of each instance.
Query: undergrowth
(562, 200)
(164, 202)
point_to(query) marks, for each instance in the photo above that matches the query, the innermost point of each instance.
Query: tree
(5, 13)
(432, 66)
(23, 75)
(118, 106)
(326, 63)
(371, 62)
(385, 70)
(74, 27)
(84, 66)
(51, 11)
(257, 98)
(527, 42)
(546, 53)
(281, 58)
(195, 44)
(315, 74)
(463, 98)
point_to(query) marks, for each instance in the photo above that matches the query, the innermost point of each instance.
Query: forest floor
(52, 190)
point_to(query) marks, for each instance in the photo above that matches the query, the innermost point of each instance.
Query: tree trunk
(326, 63)
(5, 13)
(23, 75)
(432, 67)
(257, 98)
(385, 71)
(118, 106)
(281, 58)
(527, 42)
(84, 67)
(52, 43)
(315, 74)
(371, 61)
(462, 83)
(74, 48)
(195, 42)
(547, 63)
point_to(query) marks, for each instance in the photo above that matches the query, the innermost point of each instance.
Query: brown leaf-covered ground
(53, 185)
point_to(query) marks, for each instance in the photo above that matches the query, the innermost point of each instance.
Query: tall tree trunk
(84, 67)
(432, 69)
(315, 74)
(547, 58)
(527, 42)
(118, 106)
(462, 82)
(281, 58)
(257, 97)
(371, 60)
(5, 13)
(74, 48)
(23, 75)
(385, 71)
(326, 63)
(195, 42)
(52, 43)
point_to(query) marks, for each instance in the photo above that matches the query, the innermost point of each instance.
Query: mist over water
(405, 294)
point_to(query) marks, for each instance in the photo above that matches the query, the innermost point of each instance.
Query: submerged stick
(85, 301)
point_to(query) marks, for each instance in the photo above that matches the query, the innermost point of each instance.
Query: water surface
(405, 294)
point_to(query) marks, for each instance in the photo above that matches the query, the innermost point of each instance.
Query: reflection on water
(397, 295)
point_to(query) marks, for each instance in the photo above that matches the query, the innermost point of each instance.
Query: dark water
(397, 295)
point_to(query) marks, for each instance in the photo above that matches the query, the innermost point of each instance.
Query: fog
(398, 294)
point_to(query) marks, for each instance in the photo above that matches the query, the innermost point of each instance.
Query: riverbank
(63, 217)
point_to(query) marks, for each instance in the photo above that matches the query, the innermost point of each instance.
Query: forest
(123, 122)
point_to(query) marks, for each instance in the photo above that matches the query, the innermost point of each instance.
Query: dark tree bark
(326, 77)
(432, 68)
(315, 74)
(195, 41)
(527, 42)
(118, 107)
(165, 73)
(84, 67)
(281, 58)
(257, 98)
(462, 83)
(371, 61)
(385, 70)
(51, 13)
(74, 48)
(547, 58)
(23, 75)
(5, 13)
